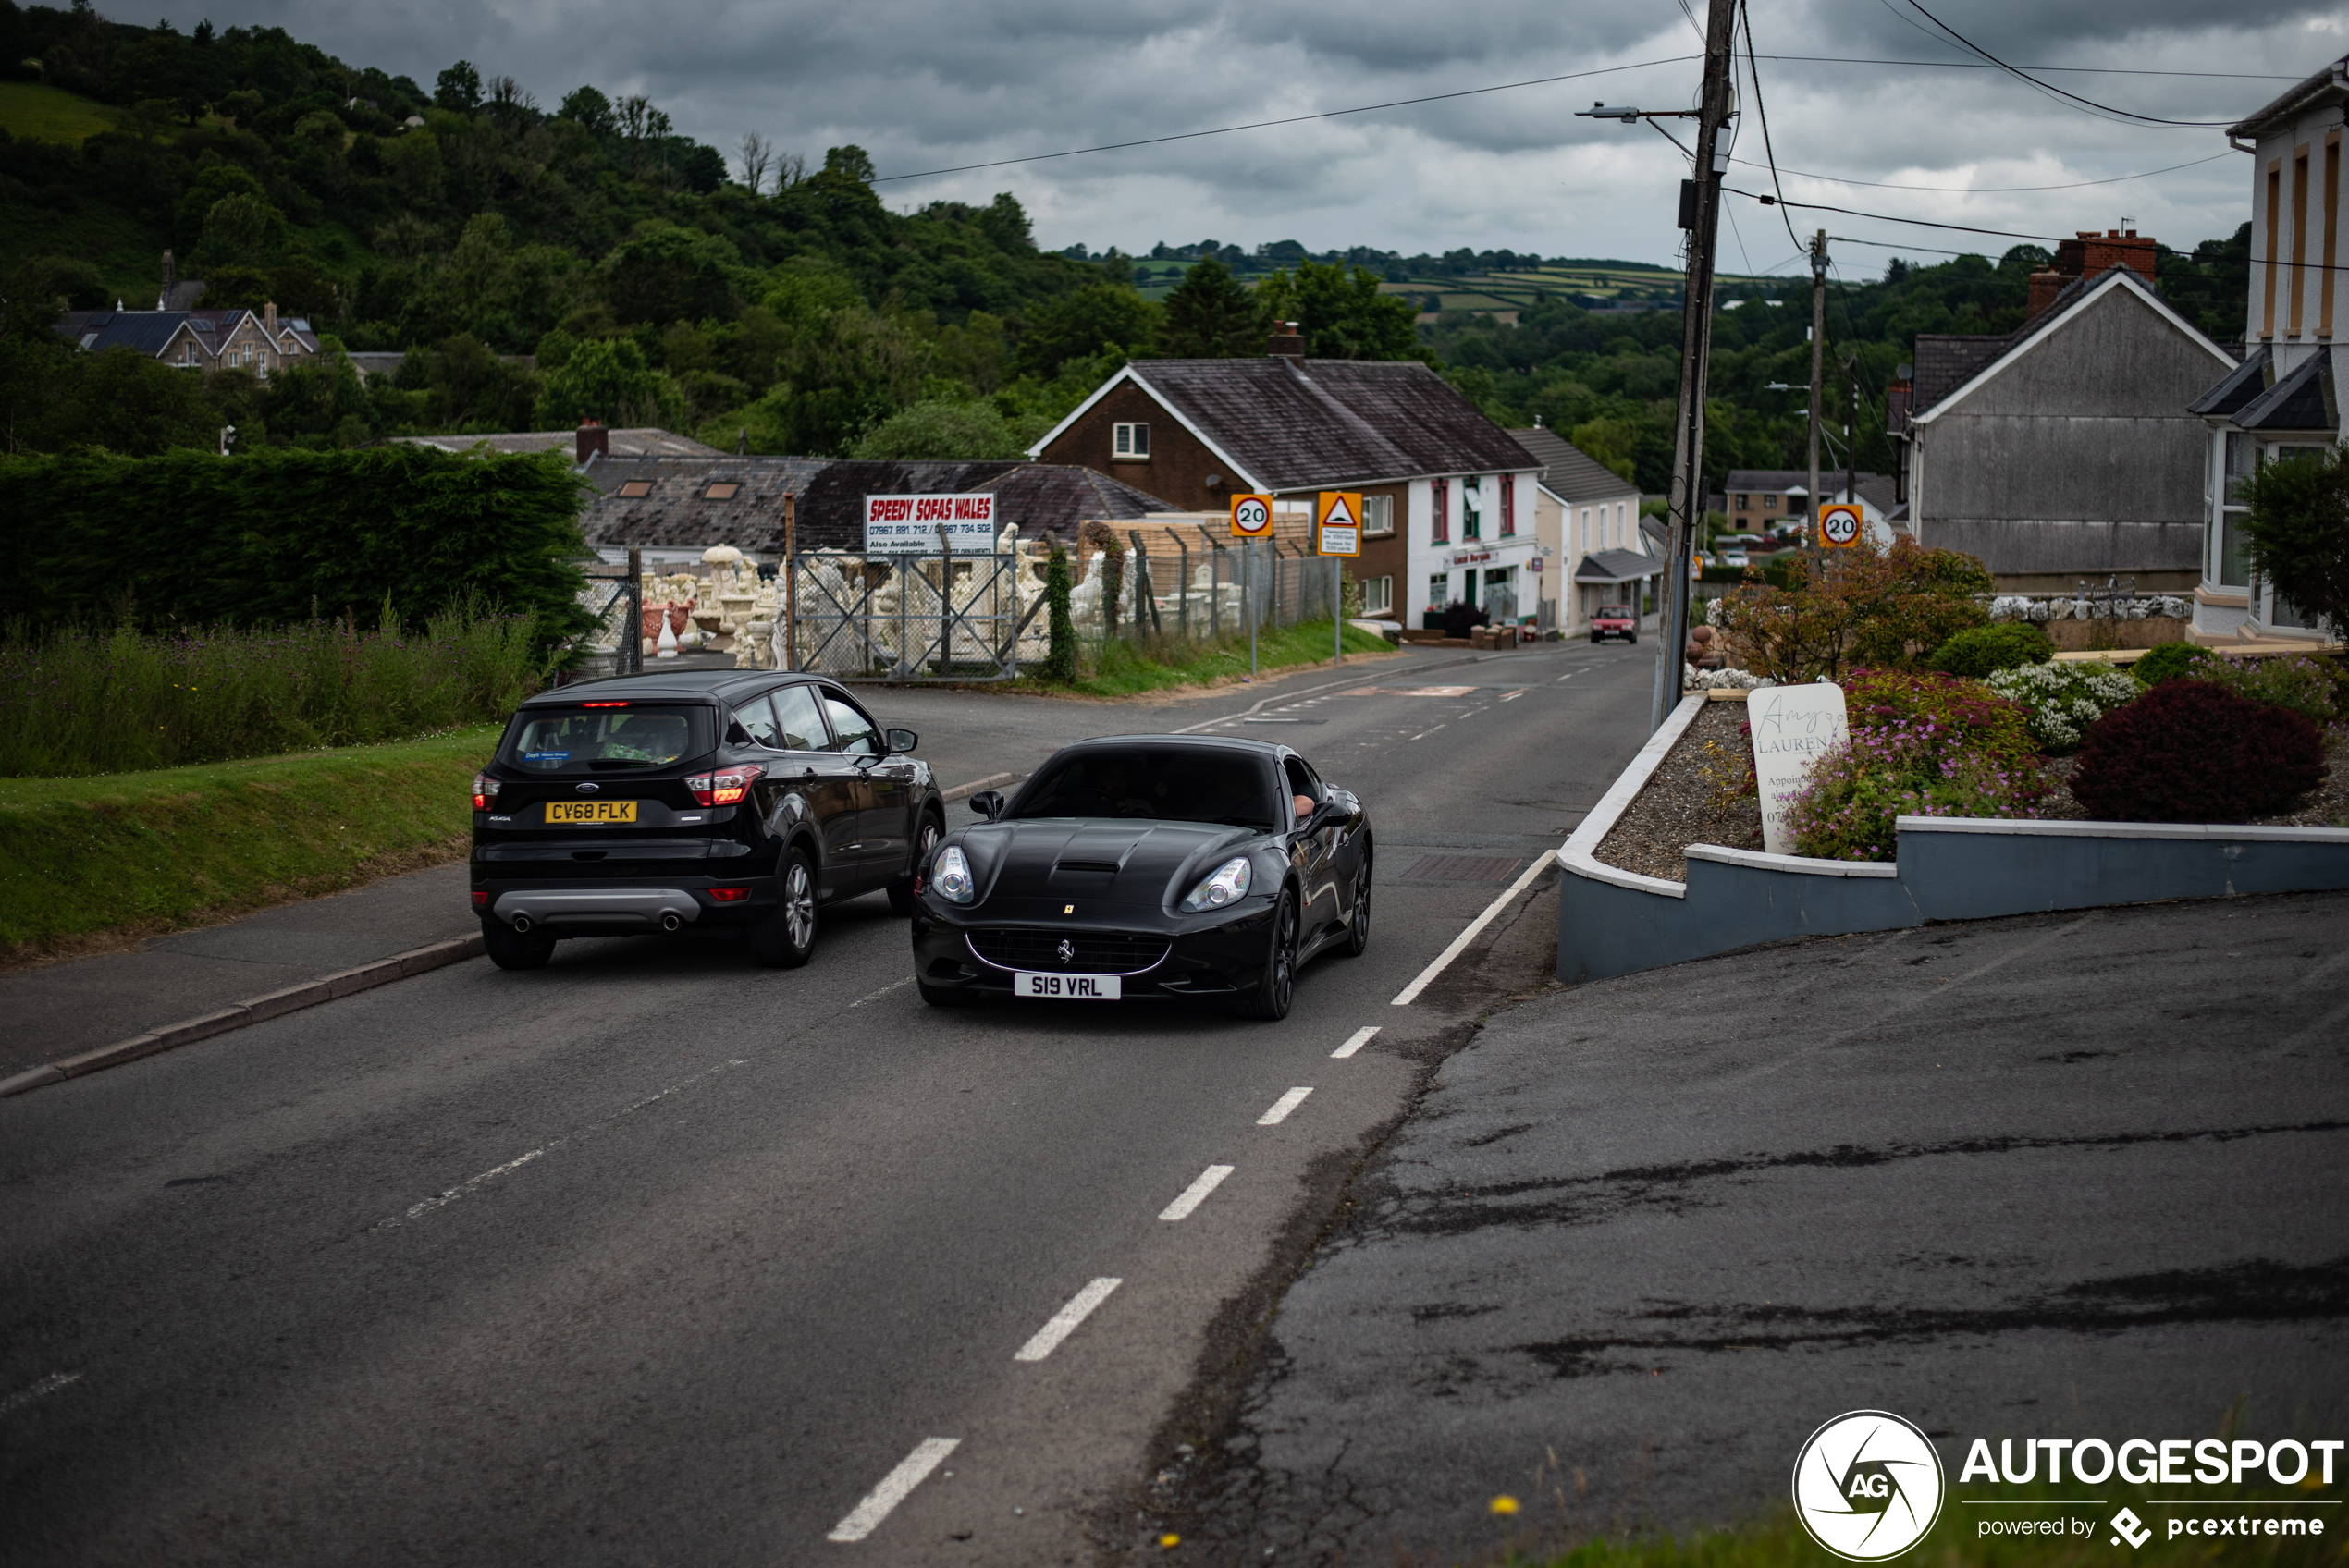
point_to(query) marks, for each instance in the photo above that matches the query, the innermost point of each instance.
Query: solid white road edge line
(911, 1472)
(1080, 1307)
(1354, 1042)
(1282, 1106)
(1410, 993)
(1196, 1194)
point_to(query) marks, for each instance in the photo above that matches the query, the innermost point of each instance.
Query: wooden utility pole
(1818, 351)
(1702, 212)
(1851, 436)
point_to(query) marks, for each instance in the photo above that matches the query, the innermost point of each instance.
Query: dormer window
(723, 490)
(635, 489)
(1131, 441)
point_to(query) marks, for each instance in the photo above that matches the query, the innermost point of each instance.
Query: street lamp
(228, 438)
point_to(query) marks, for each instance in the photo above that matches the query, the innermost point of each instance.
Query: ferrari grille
(1086, 952)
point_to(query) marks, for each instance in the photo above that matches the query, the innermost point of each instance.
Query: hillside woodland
(544, 263)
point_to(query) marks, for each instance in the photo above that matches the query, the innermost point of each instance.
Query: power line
(1753, 74)
(2072, 70)
(1576, 76)
(2049, 87)
(1882, 217)
(1973, 189)
(1293, 119)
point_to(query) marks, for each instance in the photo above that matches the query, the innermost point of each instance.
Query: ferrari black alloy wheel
(1273, 994)
(1357, 929)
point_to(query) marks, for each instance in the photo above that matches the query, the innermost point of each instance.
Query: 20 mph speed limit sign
(1839, 525)
(1251, 517)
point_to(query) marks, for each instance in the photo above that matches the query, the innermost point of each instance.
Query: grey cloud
(923, 84)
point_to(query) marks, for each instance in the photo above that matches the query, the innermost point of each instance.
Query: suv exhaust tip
(521, 926)
(669, 922)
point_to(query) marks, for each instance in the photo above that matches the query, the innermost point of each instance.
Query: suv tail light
(485, 791)
(731, 787)
(728, 895)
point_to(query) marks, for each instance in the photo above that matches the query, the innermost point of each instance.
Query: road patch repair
(1642, 1237)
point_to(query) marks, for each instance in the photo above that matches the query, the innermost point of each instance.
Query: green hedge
(277, 537)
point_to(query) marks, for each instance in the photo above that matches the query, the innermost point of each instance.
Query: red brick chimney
(593, 438)
(1287, 342)
(2089, 255)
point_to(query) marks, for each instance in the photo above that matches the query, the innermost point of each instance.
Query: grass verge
(34, 111)
(1125, 669)
(178, 846)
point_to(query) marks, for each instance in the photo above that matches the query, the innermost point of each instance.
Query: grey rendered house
(2065, 450)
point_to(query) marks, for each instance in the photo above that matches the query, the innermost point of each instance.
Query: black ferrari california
(1147, 865)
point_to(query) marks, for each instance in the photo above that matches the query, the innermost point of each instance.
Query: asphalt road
(652, 1256)
(2057, 1176)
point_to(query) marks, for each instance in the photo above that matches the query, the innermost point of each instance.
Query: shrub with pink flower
(1921, 745)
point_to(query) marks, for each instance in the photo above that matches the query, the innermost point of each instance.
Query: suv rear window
(605, 739)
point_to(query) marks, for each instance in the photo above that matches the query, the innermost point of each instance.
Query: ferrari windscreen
(1170, 783)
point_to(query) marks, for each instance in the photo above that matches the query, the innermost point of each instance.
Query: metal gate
(911, 617)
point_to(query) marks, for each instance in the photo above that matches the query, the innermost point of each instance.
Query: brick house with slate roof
(1448, 496)
(2064, 449)
(2285, 396)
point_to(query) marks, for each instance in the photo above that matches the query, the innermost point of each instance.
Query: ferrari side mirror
(988, 803)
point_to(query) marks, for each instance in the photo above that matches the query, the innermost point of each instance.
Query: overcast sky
(924, 84)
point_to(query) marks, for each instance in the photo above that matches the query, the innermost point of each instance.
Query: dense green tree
(457, 89)
(1210, 315)
(1100, 318)
(2297, 530)
(663, 273)
(1341, 313)
(941, 428)
(608, 380)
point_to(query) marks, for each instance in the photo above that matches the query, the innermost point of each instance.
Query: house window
(1472, 508)
(1508, 505)
(1744, 503)
(1584, 548)
(1439, 590)
(724, 490)
(1378, 516)
(1130, 440)
(187, 353)
(1440, 524)
(635, 489)
(2234, 567)
(1378, 595)
(1769, 503)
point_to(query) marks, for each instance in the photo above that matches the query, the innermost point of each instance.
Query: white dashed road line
(1196, 1194)
(48, 1385)
(1354, 1042)
(1282, 1106)
(1080, 1307)
(911, 1472)
(1425, 733)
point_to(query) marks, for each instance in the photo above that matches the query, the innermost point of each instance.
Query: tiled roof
(150, 332)
(830, 513)
(1294, 425)
(1567, 472)
(645, 442)
(2239, 386)
(2294, 100)
(1617, 566)
(1761, 479)
(1945, 362)
(2295, 402)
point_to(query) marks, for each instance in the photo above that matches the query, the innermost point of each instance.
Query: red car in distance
(1614, 620)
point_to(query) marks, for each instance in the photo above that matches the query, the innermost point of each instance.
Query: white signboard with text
(1791, 725)
(908, 525)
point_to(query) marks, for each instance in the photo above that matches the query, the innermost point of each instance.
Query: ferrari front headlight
(952, 876)
(1229, 885)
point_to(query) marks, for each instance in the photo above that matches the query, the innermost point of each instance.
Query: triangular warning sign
(1339, 515)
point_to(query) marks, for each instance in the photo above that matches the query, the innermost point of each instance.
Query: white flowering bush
(1695, 679)
(2064, 699)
